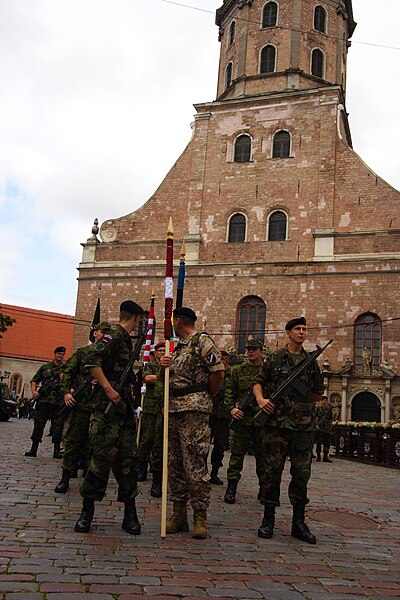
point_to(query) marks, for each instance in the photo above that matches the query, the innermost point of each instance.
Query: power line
(332, 37)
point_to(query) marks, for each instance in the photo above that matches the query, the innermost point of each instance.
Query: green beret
(293, 322)
(186, 313)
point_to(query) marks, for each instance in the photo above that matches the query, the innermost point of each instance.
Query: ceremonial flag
(181, 277)
(96, 318)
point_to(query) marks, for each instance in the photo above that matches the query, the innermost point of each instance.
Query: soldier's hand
(266, 405)
(112, 395)
(165, 361)
(237, 413)
(69, 400)
(35, 395)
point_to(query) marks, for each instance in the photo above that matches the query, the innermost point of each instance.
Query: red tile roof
(36, 333)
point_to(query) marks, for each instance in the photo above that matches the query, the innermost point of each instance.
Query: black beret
(186, 313)
(131, 307)
(59, 349)
(293, 322)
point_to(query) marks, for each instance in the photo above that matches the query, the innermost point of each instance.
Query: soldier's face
(253, 353)
(297, 334)
(98, 334)
(59, 357)
(159, 353)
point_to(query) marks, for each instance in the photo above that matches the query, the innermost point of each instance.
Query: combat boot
(63, 486)
(83, 523)
(230, 494)
(326, 458)
(131, 522)
(200, 524)
(178, 521)
(57, 450)
(267, 526)
(142, 470)
(299, 528)
(33, 450)
(156, 486)
(214, 479)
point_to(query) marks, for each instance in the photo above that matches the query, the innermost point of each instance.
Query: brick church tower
(279, 215)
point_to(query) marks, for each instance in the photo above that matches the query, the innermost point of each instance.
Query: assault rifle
(66, 410)
(246, 401)
(292, 383)
(46, 387)
(126, 373)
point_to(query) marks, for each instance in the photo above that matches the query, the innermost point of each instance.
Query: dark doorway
(366, 407)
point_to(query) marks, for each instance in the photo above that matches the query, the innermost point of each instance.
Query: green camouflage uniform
(193, 361)
(290, 429)
(152, 411)
(219, 423)
(76, 438)
(112, 437)
(323, 414)
(250, 432)
(49, 404)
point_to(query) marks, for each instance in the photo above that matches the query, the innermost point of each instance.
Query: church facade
(279, 215)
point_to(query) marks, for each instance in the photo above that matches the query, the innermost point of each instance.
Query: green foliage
(5, 323)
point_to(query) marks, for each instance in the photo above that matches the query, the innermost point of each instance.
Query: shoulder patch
(211, 358)
(103, 343)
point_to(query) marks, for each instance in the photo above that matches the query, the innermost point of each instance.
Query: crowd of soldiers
(105, 426)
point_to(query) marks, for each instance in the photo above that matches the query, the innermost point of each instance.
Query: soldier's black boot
(214, 479)
(57, 450)
(63, 486)
(131, 522)
(299, 528)
(33, 450)
(83, 523)
(142, 470)
(156, 486)
(267, 526)
(230, 494)
(326, 458)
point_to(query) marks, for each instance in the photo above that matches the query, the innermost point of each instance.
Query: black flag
(96, 319)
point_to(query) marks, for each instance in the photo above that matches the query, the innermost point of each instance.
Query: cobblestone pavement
(354, 512)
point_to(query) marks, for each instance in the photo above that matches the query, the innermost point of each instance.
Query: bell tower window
(228, 75)
(317, 63)
(281, 145)
(270, 14)
(232, 34)
(320, 19)
(268, 59)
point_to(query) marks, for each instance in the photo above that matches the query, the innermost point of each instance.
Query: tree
(5, 323)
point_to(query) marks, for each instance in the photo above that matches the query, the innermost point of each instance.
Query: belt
(191, 389)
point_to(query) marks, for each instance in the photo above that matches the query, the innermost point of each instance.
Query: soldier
(76, 439)
(112, 434)
(152, 409)
(250, 432)
(289, 431)
(49, 400)
(323, 426)
(197, 372)
(219, 423)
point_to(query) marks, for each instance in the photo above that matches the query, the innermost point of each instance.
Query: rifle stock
(247, 399)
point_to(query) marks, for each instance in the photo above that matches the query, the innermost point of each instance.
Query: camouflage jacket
(193, 361)
(238, 385)
(49, 377)
(323, 415)
(74, 372)
(294, 411)
(112, 354)
(154, 397)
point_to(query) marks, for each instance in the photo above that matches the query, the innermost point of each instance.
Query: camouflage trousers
(240, 445)
(156, 459)
(45, 411)
(112, 447)
(76, 438)
(323, 440)
(148, 423)
(188, 446)
(220, 437)
(280, 443)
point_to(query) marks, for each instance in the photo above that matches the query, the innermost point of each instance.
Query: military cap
(252, 343)
(102, 325)
(59, 349)
(159, 345)
(186, 313)
(131, 307)
(293, 322)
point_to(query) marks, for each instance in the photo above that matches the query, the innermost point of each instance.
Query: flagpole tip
(183, 250)
(153, 293)
(170, 229)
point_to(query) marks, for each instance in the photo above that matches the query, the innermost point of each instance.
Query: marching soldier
(323, 426)
(49, 401)
(250, 432)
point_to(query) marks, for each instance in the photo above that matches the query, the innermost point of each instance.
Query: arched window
(242, 148)
(368, 339)
(320, 19)
(237, 229)
(15, 384)
(277, 226)
(267, 59)
(250, 321)
(232, 34)
(366, 407)
(270, 14)
(318, 63)
(281, 144)
(228, 75)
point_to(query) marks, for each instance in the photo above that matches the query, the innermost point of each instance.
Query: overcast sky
(96, 103)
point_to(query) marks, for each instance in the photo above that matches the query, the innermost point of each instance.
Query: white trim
(262, 14)
(326, 19)
(237, 212)
(323, 66)
(234, 147)
(290, 147)
(275, 210)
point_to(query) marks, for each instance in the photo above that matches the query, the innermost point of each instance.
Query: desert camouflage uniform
(190, 405)
(250, 433)
(290, 429)
(112, 438)
(49, 404)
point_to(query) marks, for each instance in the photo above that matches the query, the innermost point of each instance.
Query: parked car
(8, 408)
